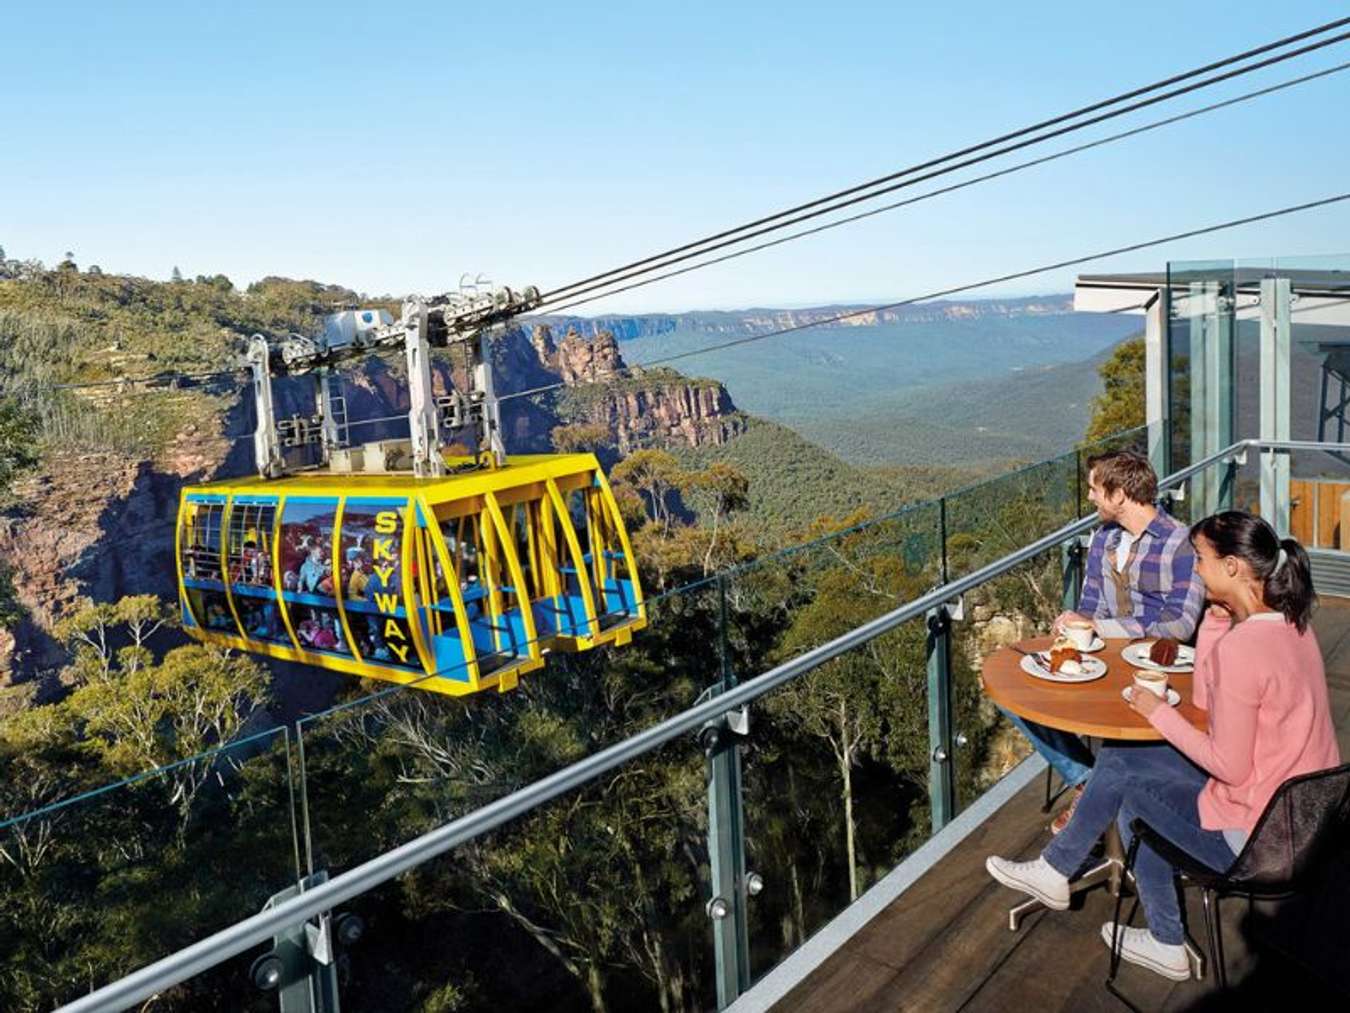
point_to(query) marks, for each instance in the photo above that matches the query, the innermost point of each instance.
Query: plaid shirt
(1156, 595)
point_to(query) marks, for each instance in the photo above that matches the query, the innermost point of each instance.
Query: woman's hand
(1143, 702)
(1218, 610)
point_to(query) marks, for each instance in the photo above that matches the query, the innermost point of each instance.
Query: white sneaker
(1139, 947)
(1038, 878)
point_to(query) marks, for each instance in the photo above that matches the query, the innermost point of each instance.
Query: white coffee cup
(1080, 632)
(1154, 682)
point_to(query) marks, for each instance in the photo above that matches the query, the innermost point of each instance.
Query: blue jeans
(1159, 785)
(1064, 751)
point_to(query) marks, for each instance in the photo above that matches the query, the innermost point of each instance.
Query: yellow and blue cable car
(459, 584)
(457, 574)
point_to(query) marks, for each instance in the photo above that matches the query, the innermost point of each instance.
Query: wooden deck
(944, 944)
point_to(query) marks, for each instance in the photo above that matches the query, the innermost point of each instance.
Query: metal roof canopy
(1320, 298)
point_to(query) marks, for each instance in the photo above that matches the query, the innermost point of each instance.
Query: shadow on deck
(944, 943)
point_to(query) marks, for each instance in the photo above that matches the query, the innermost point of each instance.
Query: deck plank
(944, 944)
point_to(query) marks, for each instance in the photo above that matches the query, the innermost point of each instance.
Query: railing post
(941, 783)
(1071, 566)
(726, 834)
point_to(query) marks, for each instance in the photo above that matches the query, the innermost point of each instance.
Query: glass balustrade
(609, 890)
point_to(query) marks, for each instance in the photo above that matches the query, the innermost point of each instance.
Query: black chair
(1305, 820)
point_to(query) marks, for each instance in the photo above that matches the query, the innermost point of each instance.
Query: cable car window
(306, 552)
(201, 563)
(248, 560)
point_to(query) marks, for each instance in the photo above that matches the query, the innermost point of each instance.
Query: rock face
(97, 525)
(640, 408)
(667, 414)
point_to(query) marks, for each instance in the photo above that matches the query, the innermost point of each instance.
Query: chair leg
(1049, 798)
(1211, 903)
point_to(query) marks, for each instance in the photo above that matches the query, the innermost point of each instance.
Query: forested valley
(157, 790)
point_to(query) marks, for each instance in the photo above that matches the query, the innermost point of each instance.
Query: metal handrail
(235, 939)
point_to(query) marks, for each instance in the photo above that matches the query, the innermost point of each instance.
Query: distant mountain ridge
(759, 319)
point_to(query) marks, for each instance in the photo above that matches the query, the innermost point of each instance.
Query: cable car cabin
(458, 584)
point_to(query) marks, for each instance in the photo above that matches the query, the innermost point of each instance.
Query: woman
(1259, 674)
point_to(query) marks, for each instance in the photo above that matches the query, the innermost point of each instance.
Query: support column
(266, 445)
(327, 409)
(726, 836)
(1275, 408)
(1158, 381)
(1071, 568)
(1211, 327)
(483, 384)
(941, 780)
(424, 424)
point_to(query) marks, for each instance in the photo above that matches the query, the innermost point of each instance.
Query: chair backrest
(1304, 819)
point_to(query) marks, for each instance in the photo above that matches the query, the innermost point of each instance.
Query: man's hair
(1127, 470)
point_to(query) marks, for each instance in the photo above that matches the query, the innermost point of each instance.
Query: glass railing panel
(1019, 604)
(387, 767)
(97, 885)
(995, 518)
(593, 901)
(836, 787)
(1201, 323)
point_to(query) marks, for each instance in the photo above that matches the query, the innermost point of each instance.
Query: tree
(718, 491)
(580, 438)
(848, 702)
(1120, 405)
(152, 715)
(177, 275)
(18, 439)
(656, 474)
(18, 443)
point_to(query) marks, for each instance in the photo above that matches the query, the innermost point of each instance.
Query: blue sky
(391, 147)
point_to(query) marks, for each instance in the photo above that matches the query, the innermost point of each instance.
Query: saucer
(1173, 697)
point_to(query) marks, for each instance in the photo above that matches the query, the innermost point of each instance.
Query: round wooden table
(1086, 708)
(1095, 709)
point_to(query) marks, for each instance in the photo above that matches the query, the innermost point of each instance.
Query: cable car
(456, 574)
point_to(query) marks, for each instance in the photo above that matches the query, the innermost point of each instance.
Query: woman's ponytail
(1281, 566)
(1288, 585)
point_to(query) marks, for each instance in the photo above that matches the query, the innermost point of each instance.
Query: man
(1140, 581)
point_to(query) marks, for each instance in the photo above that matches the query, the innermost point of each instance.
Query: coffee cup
(1080, 632)
(1154, 682)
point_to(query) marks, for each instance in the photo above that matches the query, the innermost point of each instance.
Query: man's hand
(1143, 702)
(1065, 617)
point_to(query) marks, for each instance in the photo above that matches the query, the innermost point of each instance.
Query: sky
(393, 147)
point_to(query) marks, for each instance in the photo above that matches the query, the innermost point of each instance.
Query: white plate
(1137, 655)
(1173, 697)
(1093, 668)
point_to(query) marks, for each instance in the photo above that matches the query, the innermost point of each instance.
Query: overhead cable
(998, 152)
(985, 283)
(1101, 142)
(1054, 121)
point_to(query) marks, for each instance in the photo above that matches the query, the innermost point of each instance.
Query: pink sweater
(1266, 692)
